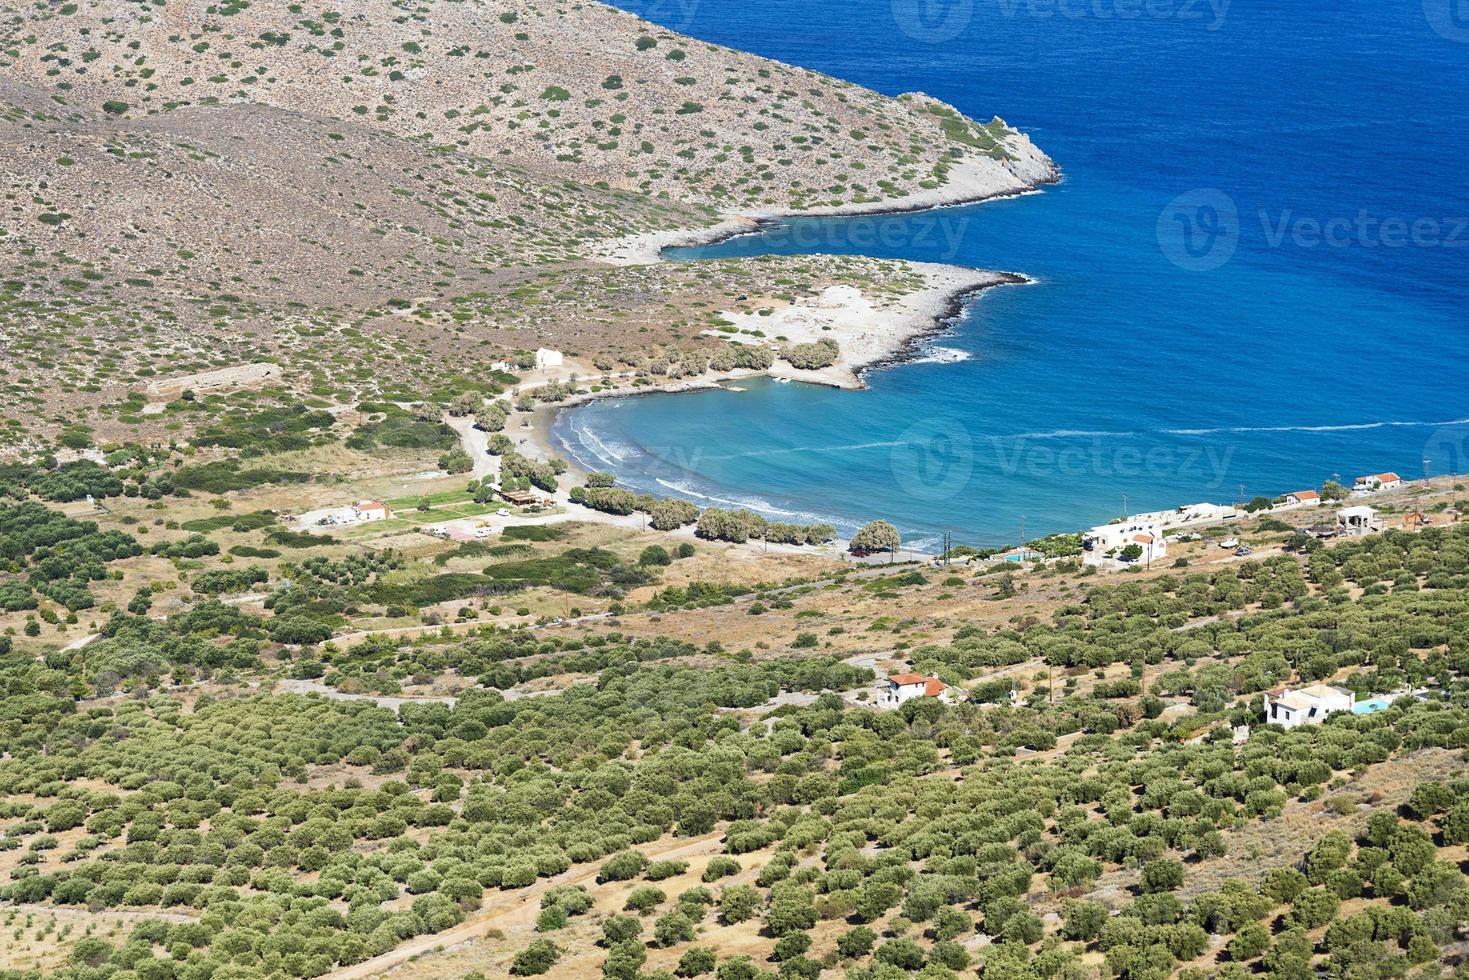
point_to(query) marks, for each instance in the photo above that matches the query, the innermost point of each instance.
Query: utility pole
(1124, 506)
(1022, 532)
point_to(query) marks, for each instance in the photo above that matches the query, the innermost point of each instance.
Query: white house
(1303, 498)
(1106, 542)
(1357, 521)
(1306, 706)
(897, 689)
(1377, 481)
(1198, 513)
(371, 510)
(547, 358)
(1187, 514)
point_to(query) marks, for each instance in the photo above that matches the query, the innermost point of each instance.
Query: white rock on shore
(866, 332)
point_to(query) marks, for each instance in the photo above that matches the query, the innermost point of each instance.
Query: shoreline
(896, 335)
(967, 185)
(938, 315)
(647, 248)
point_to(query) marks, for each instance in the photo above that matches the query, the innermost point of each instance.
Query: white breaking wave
(810, 449)
(1081, 434)
(942, 355)
(1221, 430)
(1066, 434)
(602, 449)
(925, 546)
(1352, 427)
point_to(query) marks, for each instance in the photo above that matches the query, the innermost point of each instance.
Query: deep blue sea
(1254, 276)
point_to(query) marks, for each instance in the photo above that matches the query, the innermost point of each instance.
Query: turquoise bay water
(1252, 278)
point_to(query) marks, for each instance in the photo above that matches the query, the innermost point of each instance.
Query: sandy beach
(870, 333)
(870, 330)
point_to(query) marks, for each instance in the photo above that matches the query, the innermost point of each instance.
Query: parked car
(1244, 551)
(502, 512)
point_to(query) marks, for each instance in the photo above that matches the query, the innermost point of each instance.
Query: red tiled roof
(1306, 495)
(932, 686)
(1143, 538)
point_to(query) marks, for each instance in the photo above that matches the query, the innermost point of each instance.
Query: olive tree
(877, 536)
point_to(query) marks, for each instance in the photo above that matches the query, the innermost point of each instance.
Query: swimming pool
(1370, 706)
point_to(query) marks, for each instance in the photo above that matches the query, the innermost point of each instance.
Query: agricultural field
(316, 661)
(236, 748)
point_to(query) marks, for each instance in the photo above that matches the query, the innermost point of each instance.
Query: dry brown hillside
(389, 197)
(268, 202)
(583, 91)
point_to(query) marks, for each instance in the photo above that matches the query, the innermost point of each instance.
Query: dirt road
(516, 911)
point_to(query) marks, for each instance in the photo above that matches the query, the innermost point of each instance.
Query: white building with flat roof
(1357, 521)
(1305, 706)
(547, 358)
(1108, 543)
(1187, 514)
